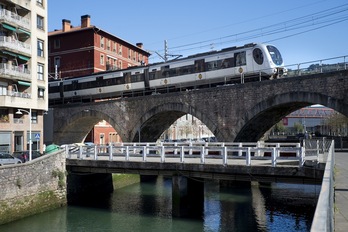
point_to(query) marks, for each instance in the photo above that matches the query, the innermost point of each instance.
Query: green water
(147, 207)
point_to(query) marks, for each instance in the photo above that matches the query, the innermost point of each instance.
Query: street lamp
(19, 111)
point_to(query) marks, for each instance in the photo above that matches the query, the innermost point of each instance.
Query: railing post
(110, 152)
(224, 151)
(162, 154)
(80, 152)
(302, 156)
(182, 154)
(95, 153)
(202, 155)
(122, 148)
(240, 152)
(67, 151)
(318, 153)
(258, 146)
(175, 150)
(144, 153)
(248, 157)
(127, 153)
(298, 150)
(274, 156)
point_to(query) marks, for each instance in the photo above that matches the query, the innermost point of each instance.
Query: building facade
(23, 74)
(86, 49)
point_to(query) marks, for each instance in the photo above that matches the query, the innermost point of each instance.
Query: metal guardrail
(324, 213)
(192, 152)
(318, 66)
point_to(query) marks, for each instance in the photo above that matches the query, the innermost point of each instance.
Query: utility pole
(166, 55)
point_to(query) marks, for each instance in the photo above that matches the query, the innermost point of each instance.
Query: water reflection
(148, 207)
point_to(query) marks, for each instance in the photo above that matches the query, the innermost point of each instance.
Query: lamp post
(19, 111)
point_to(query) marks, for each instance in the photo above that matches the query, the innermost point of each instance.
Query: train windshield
(275, 55)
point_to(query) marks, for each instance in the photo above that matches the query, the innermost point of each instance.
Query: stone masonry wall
(31, 188)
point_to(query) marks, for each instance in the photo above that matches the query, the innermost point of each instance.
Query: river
(147, 207)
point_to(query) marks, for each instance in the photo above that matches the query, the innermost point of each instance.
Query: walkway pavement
(341, 191)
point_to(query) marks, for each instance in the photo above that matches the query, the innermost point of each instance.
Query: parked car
(6, 158)
(24, 155)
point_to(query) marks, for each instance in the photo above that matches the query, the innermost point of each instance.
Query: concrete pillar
(82, 187)
(187, 197)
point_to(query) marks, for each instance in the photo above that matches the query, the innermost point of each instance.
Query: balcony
(14, 19)
(7, 42)
(16, 72)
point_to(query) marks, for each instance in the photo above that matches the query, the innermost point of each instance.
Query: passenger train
(226, 66)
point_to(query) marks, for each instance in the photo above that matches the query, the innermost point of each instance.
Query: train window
(275, 55)
(258, 56)
(199, 65)
(240, 58)
(75, 85)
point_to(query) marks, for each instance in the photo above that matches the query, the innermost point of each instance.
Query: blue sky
(302, 30)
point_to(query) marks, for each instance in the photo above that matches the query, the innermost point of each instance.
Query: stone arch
(157, 119)
(262, 116)
(75, 128)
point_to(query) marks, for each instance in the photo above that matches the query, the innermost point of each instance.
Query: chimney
(66, 25)
(139, 45)
(85, 21)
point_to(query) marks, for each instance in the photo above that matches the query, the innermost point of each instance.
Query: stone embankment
(33, 187)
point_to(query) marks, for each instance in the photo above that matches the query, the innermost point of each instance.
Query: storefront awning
(9, 27)
(25, 58)
(24, 31)
(24, 83)
(10, 53)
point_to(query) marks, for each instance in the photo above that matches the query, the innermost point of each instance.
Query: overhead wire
(311, 22)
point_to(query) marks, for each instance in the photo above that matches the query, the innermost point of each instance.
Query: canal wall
(33, 187)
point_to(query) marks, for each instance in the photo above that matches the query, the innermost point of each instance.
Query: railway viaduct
(242, 112)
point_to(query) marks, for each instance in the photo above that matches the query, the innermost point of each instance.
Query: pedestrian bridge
(289, 162)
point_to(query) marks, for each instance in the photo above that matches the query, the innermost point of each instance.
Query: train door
(240, 62)
(127, 80)
(199, 69)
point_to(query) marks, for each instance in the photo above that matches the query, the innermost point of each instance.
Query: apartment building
(85, 49)
(23, 74)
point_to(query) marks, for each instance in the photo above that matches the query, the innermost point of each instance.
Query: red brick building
(86, 49)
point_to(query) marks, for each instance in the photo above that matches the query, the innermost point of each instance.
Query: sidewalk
(341, 191)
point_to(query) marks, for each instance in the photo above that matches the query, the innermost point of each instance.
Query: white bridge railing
(202, 153)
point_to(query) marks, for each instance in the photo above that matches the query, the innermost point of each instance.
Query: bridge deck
(341, 191)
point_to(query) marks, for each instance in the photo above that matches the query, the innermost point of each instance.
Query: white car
(6, 158)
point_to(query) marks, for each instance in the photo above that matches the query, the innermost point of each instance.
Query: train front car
(269, 60)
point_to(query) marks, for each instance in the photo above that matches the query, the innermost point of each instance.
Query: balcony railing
(11, 70)
(17, 45)
(12, 17)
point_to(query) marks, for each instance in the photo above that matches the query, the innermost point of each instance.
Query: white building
(23, 73)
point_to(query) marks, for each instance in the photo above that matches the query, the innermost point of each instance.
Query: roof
(79, 28)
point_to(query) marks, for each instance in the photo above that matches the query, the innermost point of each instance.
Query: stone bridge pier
(239, 113)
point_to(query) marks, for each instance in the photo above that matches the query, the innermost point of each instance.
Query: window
(129, 53)
(120, 50)
(39, 2)
(40, 71)
(40, 92)
(57, 62)
(101, 41)
(34, 117)
(56, 43)
(40, 48)
(40, 22)
(102, 59)
(109, 45)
